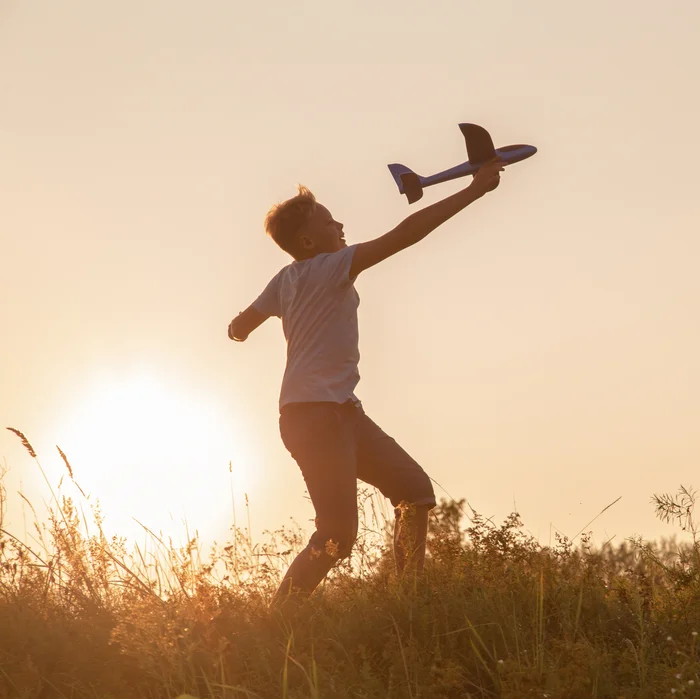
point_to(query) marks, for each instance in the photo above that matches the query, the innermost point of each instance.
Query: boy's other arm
(244, 323)
(419, 224)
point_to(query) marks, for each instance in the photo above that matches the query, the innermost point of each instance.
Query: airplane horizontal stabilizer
(412, 187)
(408, 182)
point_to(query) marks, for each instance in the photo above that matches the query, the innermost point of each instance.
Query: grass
(495, 615)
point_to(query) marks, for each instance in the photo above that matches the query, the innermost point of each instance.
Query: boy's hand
(232, 334)
(244, 324)
(488, 176)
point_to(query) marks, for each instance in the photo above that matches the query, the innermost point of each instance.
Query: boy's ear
(306, 242)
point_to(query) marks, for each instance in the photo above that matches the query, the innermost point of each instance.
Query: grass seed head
(65, 461)
(25, 442)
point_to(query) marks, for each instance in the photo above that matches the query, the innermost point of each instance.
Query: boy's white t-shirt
(317, 302)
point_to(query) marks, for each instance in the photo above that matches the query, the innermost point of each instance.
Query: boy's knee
(418, 492)
(421, 503)
(426, 498)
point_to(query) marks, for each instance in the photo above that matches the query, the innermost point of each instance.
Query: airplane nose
(515, 153)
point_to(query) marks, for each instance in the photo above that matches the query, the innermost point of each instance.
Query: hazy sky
(539, 349)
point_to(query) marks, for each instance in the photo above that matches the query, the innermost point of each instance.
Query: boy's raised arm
(244, 323)
(419, 224)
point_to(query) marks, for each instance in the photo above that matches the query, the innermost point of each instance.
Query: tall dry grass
(495, 615)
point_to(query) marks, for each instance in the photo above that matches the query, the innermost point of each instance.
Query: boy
(322, 423)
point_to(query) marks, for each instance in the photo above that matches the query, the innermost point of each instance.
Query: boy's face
(322, 233)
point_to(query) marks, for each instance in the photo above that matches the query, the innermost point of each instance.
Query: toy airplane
(479, 150)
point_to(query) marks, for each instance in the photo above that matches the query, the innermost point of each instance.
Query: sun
(150, 450)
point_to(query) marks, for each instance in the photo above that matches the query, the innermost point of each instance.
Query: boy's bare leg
(410, 538)
(303, 576)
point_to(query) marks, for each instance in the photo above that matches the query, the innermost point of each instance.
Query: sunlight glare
(148, 451)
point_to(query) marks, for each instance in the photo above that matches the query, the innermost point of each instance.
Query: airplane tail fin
(408, 182)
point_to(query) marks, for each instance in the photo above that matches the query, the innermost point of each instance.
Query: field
(495, 615)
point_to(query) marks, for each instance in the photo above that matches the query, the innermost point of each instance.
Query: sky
(539, 351)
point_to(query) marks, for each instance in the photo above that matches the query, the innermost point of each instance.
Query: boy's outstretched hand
(488, 176)
(244, 324)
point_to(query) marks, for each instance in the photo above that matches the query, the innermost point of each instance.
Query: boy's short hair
(284, 220)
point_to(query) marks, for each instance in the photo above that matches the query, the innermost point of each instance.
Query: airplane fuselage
(512, 154)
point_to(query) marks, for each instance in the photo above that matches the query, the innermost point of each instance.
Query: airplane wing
(479, 144)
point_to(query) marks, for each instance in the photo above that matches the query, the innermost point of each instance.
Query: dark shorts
(335, 445)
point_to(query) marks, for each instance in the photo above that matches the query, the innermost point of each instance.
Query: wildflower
(332, 548)
(669, 638)
(673, 691)
(691, 682)
(678, 676)
(695, 633)
(500, 662)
